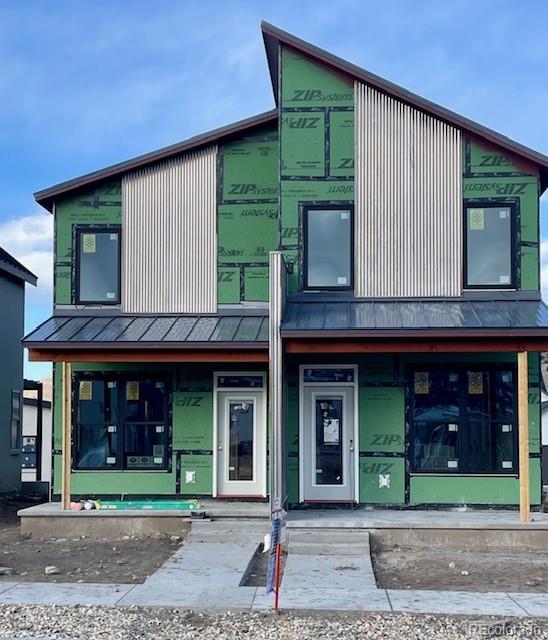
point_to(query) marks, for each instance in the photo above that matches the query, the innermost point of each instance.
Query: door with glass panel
(241, 443)
(328, 443)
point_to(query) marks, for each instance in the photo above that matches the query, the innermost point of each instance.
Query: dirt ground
(81, 559)
(438, 569)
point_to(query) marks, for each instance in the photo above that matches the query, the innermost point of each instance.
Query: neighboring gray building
(13, 276)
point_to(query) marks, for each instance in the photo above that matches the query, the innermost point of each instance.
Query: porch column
(523, 430)
(275, 388)
(66, 449)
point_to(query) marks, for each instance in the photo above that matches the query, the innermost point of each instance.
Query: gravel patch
(134, 623)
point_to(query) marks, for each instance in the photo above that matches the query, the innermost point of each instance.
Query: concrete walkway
(325, 570)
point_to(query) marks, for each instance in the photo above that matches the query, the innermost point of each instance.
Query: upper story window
(489, 259)
(328, 248)
(98, 265)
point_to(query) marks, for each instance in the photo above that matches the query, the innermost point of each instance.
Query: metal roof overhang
(153, 338)
(392, 326)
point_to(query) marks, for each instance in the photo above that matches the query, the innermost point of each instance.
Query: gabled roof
(46, 197)
(273, 37)
(11, 266)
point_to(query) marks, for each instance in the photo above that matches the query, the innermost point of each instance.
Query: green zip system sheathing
(384, 441)
(191, 463)
(316, 147)
(491, 176)
(100, 207)
(247, 216)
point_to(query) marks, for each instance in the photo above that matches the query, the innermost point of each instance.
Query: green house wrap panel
(247, 233)
(228, 285)
(196, 474)
(472, 489)
(103, 206)
(308, 191)
(529, 265)
(303, 144)
(291, 425)
(63, 284)
(310, 85)
(250, 170)
(488, 160)
(256, 284)
(193, 420)
(382, 419)
(377, 368)
(341, 143)
(382, 480)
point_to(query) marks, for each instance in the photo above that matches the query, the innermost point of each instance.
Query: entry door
(241, 444)
(328, 443)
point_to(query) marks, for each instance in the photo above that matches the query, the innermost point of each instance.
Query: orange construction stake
(277, 572)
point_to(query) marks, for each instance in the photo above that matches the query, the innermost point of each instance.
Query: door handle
(220, 447)
(351, 445)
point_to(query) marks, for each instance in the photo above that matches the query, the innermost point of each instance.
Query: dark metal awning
(76, 333)
(401, 318)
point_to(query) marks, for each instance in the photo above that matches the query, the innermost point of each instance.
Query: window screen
(489, 246)
(328, 248)
(98, 268)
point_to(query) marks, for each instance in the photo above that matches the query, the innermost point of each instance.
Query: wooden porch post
(66, 456)
(523, 430)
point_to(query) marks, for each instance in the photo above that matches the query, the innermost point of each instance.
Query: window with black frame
(328, 248)
(463, 421)
(489, 259)
(98, 265)
(121, 423)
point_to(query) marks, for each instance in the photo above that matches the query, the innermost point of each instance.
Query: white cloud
(29, 239)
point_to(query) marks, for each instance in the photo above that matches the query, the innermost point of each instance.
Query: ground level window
(120, 423)
(463, 421)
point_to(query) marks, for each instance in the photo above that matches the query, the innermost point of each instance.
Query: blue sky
(86, 84)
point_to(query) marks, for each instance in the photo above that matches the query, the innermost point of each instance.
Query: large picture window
(489, 259)
(328, 248)
(98, 265)
(463, 421)
(121, 423)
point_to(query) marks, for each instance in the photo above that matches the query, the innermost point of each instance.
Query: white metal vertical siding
(408, 208)
(169, 249)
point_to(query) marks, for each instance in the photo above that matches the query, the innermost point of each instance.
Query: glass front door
(241, 443)
(327, 454)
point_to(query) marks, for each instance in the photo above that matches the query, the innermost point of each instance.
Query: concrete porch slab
(50, 520)
(417, 519)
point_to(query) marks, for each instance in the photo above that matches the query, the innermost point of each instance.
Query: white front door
(241, 443)
(327, 452)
